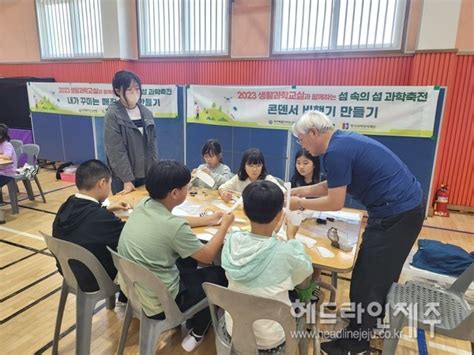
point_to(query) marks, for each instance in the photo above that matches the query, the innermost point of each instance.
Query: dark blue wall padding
(99, 140)
(78, 138)
(234, 141)
(47, 134)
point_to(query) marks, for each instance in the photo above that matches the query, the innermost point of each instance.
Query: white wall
(439, 24)
(110, 29)
(128, 29)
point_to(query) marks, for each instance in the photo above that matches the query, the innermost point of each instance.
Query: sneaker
(332, 347)
(345, 347)
(191, 341)
(120, 304)
(188, 324)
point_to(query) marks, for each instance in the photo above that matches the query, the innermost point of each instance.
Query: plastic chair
(32, 152)
(16, 143)
(85, 301)
(455, 319)
(245, 310)
(150, 329)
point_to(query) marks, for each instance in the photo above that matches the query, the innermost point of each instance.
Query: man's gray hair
(312, 120)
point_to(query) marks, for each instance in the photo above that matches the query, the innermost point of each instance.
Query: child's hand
(127, 187)
(295, 203)
(225, 195)
(227, 220)
(215, 218)
(206, 170)
(118, 206)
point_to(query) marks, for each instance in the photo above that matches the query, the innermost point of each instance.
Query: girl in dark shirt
(306, 169)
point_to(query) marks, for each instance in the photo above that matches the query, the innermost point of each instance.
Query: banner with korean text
(372, 110)
(93, 99)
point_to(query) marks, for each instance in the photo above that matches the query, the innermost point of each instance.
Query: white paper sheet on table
(123, 213)
(309, 242)
(349, 217)
(325, 253)
(205, 236)
(220, 205)
(188, 209)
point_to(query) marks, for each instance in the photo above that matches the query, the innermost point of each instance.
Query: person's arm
(7, 152)
(316, 190)
(222, 177)
(225, 188)
(333, 201)
(208, 220)
(118, 206)
(153, 141)
(115, 149)
(208, 251)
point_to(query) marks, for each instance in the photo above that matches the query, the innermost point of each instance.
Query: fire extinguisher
(441, 201)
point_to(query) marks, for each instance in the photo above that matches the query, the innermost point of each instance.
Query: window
(338, 25)
(70, 28)
(183, 27)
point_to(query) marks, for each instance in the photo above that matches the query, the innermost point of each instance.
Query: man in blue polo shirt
(372, 174)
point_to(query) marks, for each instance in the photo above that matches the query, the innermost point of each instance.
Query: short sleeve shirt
(155, 238)
(373, 174)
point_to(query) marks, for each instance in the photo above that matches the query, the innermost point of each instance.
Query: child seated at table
(82, 220)
(257, 263)
(155, 238)
(211, 153)
(307, 169)
(252, 168)
(7, 152)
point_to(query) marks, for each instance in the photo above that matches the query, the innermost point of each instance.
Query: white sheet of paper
(349, 217)
(235, 205)
(206, 178)
(239, 220)
(188, 209)
(325, 253)
(205, 236)
(211, 230)
(106, 203)
(309, 242)
(123, 213)
(221, 206)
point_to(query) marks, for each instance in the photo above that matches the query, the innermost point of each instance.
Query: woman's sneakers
(191, 341)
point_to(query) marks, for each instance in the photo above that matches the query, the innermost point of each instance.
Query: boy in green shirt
(155, 238)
